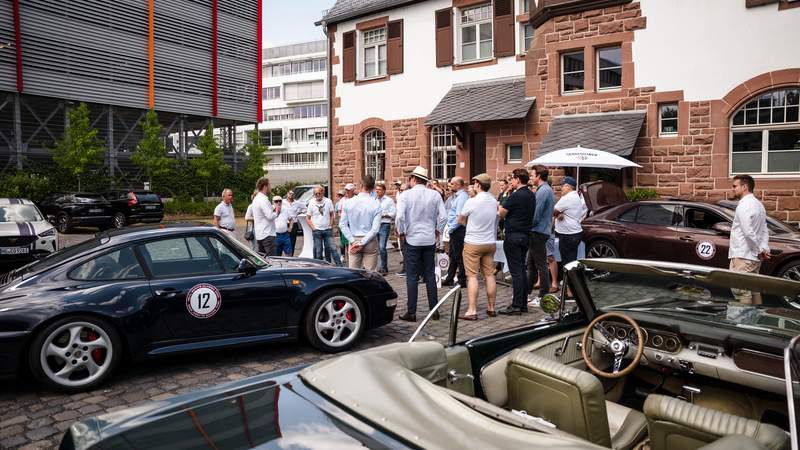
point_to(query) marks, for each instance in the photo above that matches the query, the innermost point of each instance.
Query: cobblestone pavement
(32, 418)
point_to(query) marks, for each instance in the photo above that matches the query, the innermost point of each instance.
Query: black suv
(67, 210)
(131, 206)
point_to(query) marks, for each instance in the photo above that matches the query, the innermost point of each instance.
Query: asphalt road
(34, 418)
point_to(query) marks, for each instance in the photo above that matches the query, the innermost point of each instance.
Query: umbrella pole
(578, 175)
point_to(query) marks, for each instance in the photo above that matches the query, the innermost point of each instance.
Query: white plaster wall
(708, 47)
(416, 91)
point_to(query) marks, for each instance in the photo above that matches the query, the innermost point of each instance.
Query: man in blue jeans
(388, 212)
(320, 218)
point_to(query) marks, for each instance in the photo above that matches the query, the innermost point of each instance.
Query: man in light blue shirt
(540, 233)
(420, 218)
(360, 223)
(388, 213)
(456, 232)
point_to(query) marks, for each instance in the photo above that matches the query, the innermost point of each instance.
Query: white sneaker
(533, 301)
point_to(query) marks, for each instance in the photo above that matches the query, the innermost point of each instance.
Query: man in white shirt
(294, 209)
(283, 223)
(249, 232)
(420, 219)
(388, 213)
(223, 213)
(569, 212)
(749, 243)
(264, 218)
(360, 224)
(479, 216)
(319, 216)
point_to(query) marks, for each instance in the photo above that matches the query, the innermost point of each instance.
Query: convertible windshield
(749, 301)
(19, 213)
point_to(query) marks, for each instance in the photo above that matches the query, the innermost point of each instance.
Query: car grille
(16, 241)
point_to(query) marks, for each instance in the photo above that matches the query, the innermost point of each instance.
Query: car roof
(15, 201)
(160, 228)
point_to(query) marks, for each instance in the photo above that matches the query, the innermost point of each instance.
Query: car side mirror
(722, 228)
(246, 267)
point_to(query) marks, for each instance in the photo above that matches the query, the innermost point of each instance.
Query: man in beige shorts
(479, 214)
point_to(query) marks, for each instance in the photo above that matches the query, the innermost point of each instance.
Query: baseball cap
(482, 178)
(571, 181)
(349, 186)
(276, 198)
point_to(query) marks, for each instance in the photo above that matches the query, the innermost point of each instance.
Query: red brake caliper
(98, 354)
(339, 305)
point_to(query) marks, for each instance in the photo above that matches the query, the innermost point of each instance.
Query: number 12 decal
(203, 300)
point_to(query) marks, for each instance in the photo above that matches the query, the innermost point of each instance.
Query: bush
(636, 194)
(26, 185)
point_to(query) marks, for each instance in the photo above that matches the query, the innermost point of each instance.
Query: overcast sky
(292, 21)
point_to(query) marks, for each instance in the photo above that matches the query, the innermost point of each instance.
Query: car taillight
(132, 199)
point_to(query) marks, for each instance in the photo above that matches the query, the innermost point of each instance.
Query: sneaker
(402, 274)
(510, 311)
(533, 301)
(408, 317)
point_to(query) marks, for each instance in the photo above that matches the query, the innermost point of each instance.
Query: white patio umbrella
(582, 157)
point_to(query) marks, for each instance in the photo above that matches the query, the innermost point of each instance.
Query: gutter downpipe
(330, 108)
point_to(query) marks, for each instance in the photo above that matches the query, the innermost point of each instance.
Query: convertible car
(658, 354)
(71, 318)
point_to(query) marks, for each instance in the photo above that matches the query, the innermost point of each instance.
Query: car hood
(23, 228)
(296, 263)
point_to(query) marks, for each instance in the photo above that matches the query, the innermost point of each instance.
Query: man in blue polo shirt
(540, 233)
(457, 232)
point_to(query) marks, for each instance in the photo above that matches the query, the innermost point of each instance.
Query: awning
(498, 99)
(612, 132)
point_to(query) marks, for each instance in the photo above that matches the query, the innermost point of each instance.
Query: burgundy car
(676, 230)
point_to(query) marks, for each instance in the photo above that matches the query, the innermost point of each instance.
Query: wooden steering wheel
(617, 347)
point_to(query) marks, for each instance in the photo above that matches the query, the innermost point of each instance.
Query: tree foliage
(79, 150)
(210, 165)
(151, 153)
(253, 167)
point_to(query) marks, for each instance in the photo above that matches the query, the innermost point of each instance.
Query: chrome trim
(456, 289)
(787, 367)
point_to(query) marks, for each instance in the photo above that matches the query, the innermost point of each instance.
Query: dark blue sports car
(72, 317)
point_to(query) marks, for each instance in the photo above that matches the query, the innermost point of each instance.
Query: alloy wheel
(76, 354)
(119, 220)
(337, 321)
(601, 250)
(792, 273)
(63, 224)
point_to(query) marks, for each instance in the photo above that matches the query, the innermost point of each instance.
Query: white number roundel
(705, 250)
(203, 300)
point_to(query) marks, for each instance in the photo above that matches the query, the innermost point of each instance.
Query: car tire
(62, 224)
(791, 271)
(602, 248)
(89, 346)
(335, 321)
(119, 220)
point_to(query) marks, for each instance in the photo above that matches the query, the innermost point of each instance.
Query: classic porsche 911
(672, 356)
(72, 317)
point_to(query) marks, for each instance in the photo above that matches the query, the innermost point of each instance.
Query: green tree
(80, 149)
(151, 153)
(253, 168)
(210, 165)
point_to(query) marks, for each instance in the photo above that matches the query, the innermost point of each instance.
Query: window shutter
(503, 28)
(349, 56)
(444, 37)
(394, 47)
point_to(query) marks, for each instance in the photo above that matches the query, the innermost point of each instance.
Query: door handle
(167, 292)
(622, 232)
(686, 238)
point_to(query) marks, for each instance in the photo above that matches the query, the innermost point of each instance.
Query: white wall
(416, 91)
(708, 47)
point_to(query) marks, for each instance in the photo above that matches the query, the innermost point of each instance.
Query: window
(668, 119)
(476, 33)
(375, 154)
(374, 53)
(663, 215)
(180, 256)
(765, 134)
(229, 259)
(527, 37)
(443, 152)
(271, 93)
(297, 112)
(514, 153)
(295, 67)
(309, 134)
(119, 265)
(609, 68)
(628, 216)
(299, 160)
(525, 5)
(702, 218)
(271, 138)
(304, 91)
(572, 72)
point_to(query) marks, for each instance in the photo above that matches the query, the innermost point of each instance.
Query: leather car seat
(571, 399)
(678, 425)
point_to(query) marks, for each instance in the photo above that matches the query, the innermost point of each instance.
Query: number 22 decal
(705, 250)
(203, 300)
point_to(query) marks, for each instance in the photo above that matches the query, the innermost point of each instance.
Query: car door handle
(686, 238)
(622, 232)
(167, 292)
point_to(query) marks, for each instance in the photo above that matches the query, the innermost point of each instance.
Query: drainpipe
(330, 108)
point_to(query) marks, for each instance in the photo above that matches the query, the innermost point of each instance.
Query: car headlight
(48, 233)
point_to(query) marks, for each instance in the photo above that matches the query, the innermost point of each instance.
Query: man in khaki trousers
(360, 224)
(749, 242)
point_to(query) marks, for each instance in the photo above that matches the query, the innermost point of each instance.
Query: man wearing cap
(294, 209)
(319, 216)
(388, 212)
(479, 215)
(360, 224)
(569, 211)
(420, 219)
(223, 213)
(283, 223)
(456, 233)
(349, 193)
(264, 215)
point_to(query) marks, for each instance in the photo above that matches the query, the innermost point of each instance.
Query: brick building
(695, 92)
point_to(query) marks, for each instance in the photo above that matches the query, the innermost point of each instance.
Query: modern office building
(295, 112)
(194, 62)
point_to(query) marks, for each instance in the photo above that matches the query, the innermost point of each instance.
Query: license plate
(95, 210)
(150, 207)
(14, 250)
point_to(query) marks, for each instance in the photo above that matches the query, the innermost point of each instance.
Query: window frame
(661, 131)
(311, 84)
(214, 255)
(363, 46)
(477, 24)
(508, 153)
(268, 140)
(523, 27)
(563, 73)
(147, 273)
(443, 143)
(597, 51)
(378, 155)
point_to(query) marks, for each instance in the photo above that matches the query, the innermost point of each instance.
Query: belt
(227, 229)
(281, 233)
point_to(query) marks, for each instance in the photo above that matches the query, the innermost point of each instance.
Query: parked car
(132, 206)
(680, 362)
(24, 233)
(78, 209)
(156, 290)
(676, 230)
